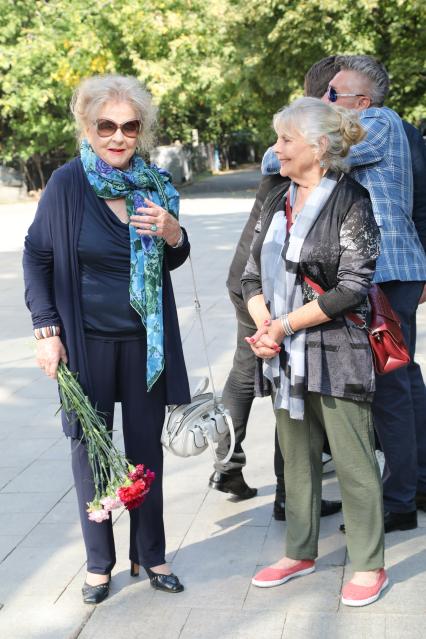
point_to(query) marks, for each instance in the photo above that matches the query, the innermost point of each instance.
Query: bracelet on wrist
(288, 331)
(47, 331)
(180, 240)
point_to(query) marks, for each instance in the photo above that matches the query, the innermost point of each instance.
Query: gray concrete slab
(329, 626)
(237, 624)
(214, 542)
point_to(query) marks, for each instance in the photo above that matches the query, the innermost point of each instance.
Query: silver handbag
(191, 428)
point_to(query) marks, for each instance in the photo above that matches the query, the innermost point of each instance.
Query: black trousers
(238, 395)
(399, 410)
(117, 370)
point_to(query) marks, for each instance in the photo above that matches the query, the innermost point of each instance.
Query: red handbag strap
(316, 287)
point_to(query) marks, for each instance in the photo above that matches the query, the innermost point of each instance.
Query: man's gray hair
(370, 68)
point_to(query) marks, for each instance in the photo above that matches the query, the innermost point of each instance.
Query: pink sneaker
(269, 577)
(353, 595)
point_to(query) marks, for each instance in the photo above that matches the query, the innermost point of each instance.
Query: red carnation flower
(132, 496)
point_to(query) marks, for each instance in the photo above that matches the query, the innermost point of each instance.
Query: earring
(322, 164)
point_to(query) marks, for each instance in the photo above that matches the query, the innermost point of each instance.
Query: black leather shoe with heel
(166, 583)
(95, 594)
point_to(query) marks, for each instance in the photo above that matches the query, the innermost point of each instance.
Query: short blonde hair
(92, 93)
(314, 119)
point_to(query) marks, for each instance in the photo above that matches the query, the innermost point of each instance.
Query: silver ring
(153, 227)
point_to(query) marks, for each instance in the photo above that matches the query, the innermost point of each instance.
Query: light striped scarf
(282, 291)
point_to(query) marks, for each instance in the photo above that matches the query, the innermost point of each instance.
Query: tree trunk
(37, 162)
(27, 175)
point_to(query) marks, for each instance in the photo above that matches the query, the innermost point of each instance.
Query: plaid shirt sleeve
(375, 145)
(270, 163)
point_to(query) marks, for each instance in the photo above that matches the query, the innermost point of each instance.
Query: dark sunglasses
(332, 94)
(106, 128)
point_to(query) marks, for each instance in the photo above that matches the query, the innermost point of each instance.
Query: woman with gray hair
(97, 265)
(312, 261)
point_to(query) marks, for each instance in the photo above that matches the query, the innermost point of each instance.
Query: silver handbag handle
(226, 459)
(215, 402)
(203, 335)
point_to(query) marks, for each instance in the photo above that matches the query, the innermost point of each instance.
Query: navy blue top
(104, 258)
(52, 282)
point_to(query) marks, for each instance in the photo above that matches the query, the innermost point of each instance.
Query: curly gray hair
(94, 92)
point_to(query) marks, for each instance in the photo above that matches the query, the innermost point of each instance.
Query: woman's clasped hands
(155, 221)
(265, 342)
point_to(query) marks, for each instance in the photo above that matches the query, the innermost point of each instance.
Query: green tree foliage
(278, 40)
(220, 66)
(177, 47)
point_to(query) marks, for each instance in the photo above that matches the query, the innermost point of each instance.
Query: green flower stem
(109, 466)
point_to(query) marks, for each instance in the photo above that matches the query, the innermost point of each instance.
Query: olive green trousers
(349, 429)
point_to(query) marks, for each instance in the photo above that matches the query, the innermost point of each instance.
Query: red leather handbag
(387, 343)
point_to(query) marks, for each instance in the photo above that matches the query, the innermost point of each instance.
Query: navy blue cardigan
(52, 282)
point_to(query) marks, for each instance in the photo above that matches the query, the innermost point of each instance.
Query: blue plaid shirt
(382, 164)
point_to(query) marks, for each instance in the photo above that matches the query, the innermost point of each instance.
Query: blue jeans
(399, 411)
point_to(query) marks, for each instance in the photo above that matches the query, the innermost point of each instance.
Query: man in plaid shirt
(382, 163)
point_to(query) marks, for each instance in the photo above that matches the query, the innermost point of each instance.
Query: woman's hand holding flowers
(156, 221)
(50, 351)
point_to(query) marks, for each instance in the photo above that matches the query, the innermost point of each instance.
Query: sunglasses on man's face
(107, 128)
(332, 94)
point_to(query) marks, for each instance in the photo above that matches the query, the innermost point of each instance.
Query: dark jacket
(418, 162)
(268, 184)
(52, 282)
(339, 253)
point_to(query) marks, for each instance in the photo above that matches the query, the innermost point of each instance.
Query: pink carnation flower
(109, 503)
(99, 515)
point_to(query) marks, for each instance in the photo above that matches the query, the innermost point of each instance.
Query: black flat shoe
(395, 521)
(330, 507)
(95, 594)
(400, 521)
(327, 508)
(234, 484)
(421, 501)
(279, 502)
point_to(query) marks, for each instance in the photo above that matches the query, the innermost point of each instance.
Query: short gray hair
(94, 92)
(313, 120)
(370, 68)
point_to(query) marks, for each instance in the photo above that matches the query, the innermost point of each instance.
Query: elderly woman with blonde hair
(312, 261)
(97, 265)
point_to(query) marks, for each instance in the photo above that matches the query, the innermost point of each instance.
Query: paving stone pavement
(215, 543)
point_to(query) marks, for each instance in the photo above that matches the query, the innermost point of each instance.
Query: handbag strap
(197, 306)
(316, 287)
(230, 452)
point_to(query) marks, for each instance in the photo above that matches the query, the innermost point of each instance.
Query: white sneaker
(327, 464)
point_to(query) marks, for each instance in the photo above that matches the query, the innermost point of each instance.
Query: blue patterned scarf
(138, 182)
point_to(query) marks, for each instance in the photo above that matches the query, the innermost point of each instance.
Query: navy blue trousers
(399, 411)
(117, 370)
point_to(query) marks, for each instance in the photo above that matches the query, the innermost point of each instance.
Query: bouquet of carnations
(117, 483)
